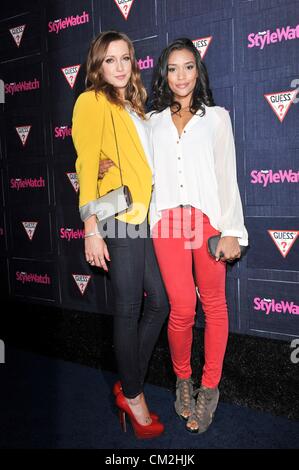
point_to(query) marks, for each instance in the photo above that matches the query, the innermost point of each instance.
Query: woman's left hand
(230, 248)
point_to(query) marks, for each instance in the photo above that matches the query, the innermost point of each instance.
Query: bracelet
(91, 234)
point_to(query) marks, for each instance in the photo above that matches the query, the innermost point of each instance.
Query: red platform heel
(118, 388)
(155, 429)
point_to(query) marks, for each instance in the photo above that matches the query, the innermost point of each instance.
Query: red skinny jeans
(180, 241)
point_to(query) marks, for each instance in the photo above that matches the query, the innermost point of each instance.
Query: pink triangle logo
(30, 228)
(23, 133)
(82, 281)
(124, 7)
(280, 102)
(202, 45)
(73, 178)
(71, 73)
(284, 239)
(17, 33)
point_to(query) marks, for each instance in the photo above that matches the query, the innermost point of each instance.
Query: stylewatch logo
(69, 22)
(284, 239)
(263, 38)
(17, 33)
(124, 7)
(23, 133)
(24, 183)
(202, 45)
(30, 228)
(70, 74)
(73, 178)
(281, 101)
(71, 234)
(145, 64)
(35, 278)
(12, 88)
(82, 281)
(274, 306)
(62, 132)
(269, 177)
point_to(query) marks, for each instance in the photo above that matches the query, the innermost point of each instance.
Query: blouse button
(182, 186)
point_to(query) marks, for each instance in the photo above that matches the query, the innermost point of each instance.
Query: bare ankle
(140, 409)
(135, 400)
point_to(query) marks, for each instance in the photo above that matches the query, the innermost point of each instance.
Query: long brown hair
(135, 91)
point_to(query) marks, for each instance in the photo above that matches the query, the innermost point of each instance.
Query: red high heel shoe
(118, 388)
(149, 431)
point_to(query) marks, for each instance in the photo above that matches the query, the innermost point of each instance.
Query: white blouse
(144, 136)
(197, 168)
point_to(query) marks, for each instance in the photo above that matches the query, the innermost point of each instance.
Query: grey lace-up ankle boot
(204, 410)
(184, 404)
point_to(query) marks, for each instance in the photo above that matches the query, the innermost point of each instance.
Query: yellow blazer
(93, 137)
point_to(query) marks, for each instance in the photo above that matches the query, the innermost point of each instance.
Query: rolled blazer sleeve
(231, 221)
(87, 134)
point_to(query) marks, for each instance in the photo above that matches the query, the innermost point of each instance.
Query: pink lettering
(271, 305)
(12, 88)
(19, 183)
(266, 177)
(264, 38)
(71, 234)
(24, 277)
(68, 22)
(145, 64)
(62, 132)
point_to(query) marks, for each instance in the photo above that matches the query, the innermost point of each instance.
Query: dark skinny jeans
(140, 301)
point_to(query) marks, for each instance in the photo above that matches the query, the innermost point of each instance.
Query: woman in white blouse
(195, 196)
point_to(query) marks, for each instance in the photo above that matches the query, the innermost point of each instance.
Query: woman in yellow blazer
(115, 94)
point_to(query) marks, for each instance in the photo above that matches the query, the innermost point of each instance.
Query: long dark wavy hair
(163, 97)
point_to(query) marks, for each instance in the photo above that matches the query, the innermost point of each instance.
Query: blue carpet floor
(50, 403)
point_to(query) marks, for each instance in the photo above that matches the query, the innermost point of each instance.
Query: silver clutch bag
(112, 203)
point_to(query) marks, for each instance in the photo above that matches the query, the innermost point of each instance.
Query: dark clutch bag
(213, 242)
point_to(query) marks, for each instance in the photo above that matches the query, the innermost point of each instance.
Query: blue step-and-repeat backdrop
(251, 52)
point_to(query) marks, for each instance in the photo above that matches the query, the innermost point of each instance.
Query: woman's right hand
(104, 167)
(96, 252)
